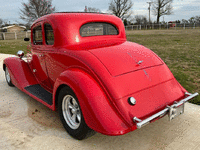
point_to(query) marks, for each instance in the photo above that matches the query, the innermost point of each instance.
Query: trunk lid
(126, 57)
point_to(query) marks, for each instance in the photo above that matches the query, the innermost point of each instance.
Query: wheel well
(4, 67)
(57, 92)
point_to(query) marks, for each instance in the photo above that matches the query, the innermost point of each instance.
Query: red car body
(103, 71)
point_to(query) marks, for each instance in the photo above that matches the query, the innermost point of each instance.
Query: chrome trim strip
(141, 123)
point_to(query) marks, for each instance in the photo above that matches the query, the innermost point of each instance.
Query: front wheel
(8, 78)
(71, 115)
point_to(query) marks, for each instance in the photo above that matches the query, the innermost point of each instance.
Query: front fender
(20, 72)
(97, 110)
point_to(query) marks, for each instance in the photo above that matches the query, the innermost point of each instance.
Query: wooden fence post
(15, 36)
(4, 36)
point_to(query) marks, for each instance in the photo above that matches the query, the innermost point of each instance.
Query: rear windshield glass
(96, 29)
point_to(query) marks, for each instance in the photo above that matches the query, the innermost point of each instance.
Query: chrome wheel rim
(71, 111)
(7, 75)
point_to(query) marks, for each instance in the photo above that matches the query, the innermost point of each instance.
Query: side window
(37, 35)
(49, 36)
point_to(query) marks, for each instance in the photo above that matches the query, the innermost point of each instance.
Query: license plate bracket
(175, 111)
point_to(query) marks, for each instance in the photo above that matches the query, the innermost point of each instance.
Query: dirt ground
(27, 124)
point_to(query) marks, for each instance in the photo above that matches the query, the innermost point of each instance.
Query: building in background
(13, 28)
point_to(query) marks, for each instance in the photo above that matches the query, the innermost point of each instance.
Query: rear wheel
(8, 78)
(71, 115)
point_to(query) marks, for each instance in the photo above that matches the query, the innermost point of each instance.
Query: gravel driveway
(27, 124)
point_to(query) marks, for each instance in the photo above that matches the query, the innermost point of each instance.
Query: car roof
(67, 26)
(72, 15)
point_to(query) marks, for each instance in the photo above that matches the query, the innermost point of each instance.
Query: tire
(8, 78)
(71, 115)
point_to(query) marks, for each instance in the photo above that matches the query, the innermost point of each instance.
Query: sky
(182, 9)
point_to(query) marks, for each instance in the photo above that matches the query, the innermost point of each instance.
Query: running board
(40, 93)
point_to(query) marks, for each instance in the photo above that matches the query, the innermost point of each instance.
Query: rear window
(96, 29)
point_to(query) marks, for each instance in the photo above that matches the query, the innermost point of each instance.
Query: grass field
(180, 49)
(12, 46)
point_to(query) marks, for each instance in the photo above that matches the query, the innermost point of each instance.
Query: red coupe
(82, 66)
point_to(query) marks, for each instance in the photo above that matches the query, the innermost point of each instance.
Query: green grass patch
(13, 46)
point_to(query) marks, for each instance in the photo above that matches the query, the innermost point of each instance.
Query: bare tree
(35, 9)
(192, 20)
(161, 8)
(140, 19)
(121, 8)
(184, 21)
(197, 19)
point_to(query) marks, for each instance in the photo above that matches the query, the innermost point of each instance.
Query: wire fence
(14, 35)
(163, 26)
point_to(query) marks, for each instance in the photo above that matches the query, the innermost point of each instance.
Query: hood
(126, 57)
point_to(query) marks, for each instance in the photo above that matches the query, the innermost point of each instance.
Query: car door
(39, 52)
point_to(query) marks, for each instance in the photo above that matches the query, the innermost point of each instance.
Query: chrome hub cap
(71, 111)
(7, 75)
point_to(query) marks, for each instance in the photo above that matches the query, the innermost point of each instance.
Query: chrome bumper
(141, 123)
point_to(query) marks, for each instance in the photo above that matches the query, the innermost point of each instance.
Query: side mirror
(26, 39)
(20, 54)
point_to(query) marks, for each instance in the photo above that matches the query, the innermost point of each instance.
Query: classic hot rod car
(82, 66)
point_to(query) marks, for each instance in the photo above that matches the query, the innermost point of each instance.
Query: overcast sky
(183, 9)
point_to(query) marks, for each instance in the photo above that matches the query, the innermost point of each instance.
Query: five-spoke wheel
(71, 115)
(71, 111)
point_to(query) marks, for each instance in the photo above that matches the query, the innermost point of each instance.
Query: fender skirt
(97, 109)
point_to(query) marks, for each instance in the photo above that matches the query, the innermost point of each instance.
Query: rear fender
(20, 72)
(96, 108)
